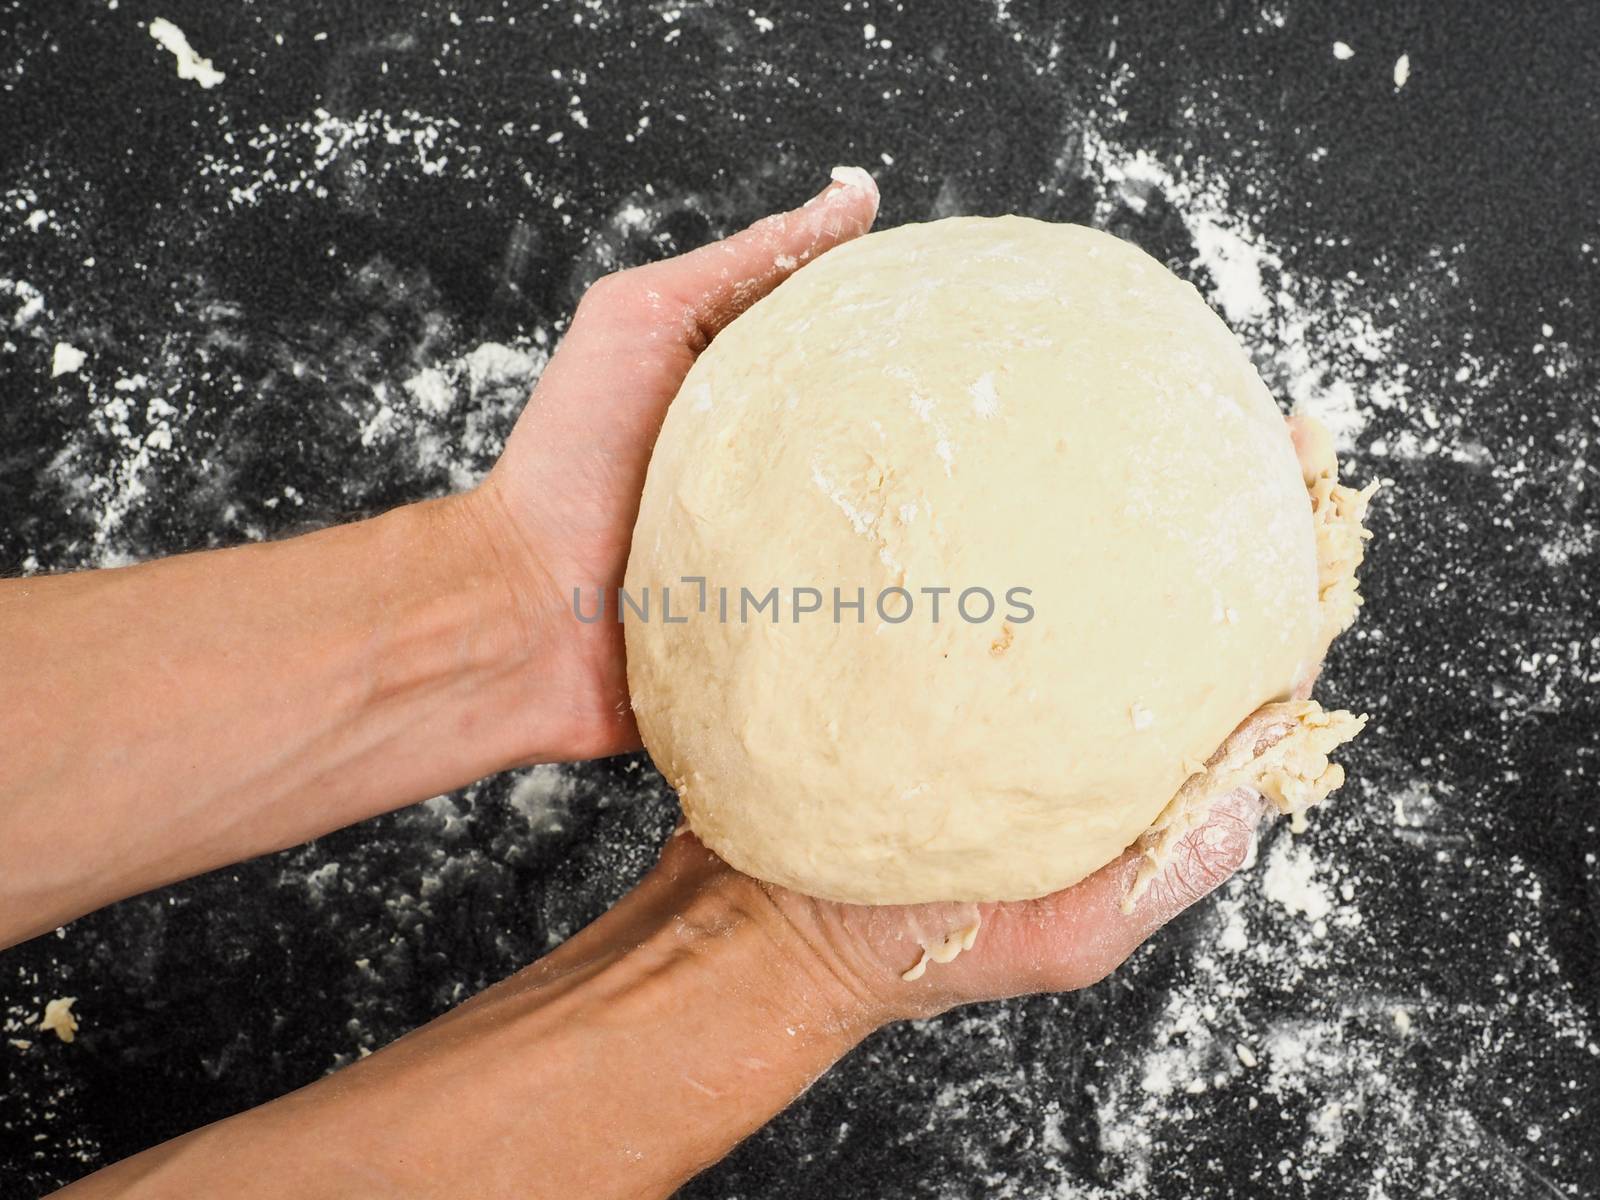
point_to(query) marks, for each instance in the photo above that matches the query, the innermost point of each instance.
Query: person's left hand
(561, 502)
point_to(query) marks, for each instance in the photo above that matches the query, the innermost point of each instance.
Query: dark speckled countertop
(323, 286)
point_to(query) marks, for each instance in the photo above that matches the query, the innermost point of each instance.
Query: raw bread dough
(992, 403)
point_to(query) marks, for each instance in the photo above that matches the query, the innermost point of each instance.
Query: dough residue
(190, 64)
(944, 949)
(1338, 512)
(66, 360)
(58, 1018)
(1281, 752)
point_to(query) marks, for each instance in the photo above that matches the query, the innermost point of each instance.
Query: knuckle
(612, 294)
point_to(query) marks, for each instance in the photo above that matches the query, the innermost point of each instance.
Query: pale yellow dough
(989, 403)
(59, 1019)
(1281, 750)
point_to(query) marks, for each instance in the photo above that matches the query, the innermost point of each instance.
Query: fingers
(715, 283)
(1313, 446)
(688, 299)
(1203, 861)
(1061, 942)
(636, 334)
(575, 462)
(1080, 935)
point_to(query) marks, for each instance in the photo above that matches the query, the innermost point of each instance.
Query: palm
(1060, 942)
(570, 479)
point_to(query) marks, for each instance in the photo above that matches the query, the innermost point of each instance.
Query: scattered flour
(66, 360)
(1402, 71)
(1247, 1024)
(542, 796)
(452, 821)
(305, 156)
(30, 301)
(142, 431)
(1291, 881)
(1336, 370)
(455, 414)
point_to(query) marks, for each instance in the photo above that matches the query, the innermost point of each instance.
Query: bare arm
(166, 719)
(649, 1045)
(169, 718)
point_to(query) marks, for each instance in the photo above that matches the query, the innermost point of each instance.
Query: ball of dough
(974, 403)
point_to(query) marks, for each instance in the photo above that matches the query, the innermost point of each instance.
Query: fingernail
(843, 179)
(856, 177)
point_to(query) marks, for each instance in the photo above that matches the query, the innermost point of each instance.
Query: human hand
(561, 502)
(1060, 942)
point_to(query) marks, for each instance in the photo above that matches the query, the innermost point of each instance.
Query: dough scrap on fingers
(1280, 752)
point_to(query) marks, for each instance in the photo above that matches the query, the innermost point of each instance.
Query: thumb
(640, 329)
(1092, 933)
(636, 333)
(714, 284)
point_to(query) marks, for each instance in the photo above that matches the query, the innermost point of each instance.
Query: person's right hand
(1060, 942)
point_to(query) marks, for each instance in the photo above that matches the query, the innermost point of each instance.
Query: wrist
(575, 671)
(672, 1028)
(779, 950)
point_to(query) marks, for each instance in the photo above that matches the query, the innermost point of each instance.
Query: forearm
(640, 1052)
(164, 719)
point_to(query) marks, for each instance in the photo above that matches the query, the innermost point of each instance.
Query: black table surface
(323, 286)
